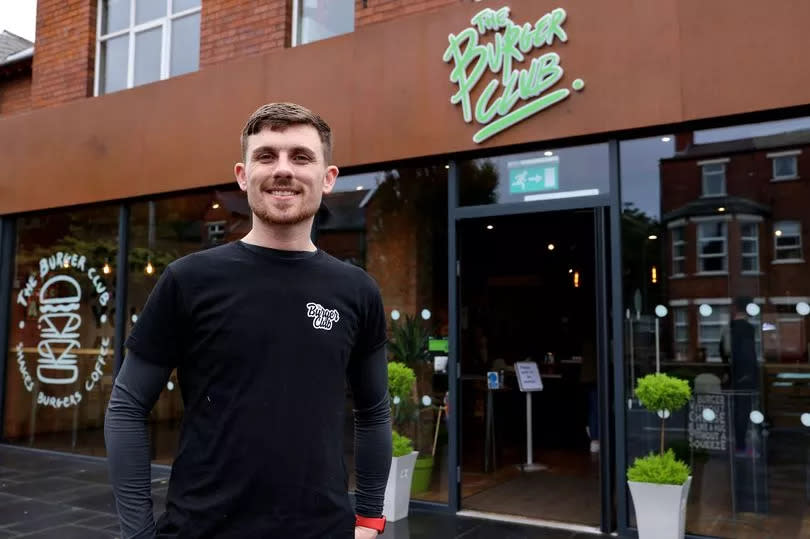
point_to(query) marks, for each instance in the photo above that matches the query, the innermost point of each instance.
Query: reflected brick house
(735, 215)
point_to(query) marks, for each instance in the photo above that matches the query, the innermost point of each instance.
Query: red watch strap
(370, 522)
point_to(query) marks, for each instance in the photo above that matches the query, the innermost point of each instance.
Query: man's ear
(330, 178)
(240, 172)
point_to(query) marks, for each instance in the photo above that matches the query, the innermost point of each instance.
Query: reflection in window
(162, 231)
(710, 327)
(680, 317)
(678, 250)
(714, 179)
(712, 248)
(749, 239)
(784, 165)
(320, 19)
(787, 240)
(60, 358)
(394, 224)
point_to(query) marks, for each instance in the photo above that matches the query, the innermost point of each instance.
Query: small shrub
(660, 469)
(663, 392)
(402, 445)
(401, 379)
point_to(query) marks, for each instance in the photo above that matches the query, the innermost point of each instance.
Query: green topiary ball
(401, 379)
(402, 445)
(663, 392)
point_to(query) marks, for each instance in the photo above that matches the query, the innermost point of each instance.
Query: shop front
(602, 191)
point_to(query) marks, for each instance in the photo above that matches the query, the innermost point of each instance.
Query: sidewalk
(50, 495)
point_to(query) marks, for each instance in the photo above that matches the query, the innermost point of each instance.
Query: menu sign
(707, 422)
(528, 376)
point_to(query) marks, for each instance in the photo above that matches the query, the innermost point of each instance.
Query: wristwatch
(370, 522)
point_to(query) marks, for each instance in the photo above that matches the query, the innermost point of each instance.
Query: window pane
(789, 228)
(115, 15)
(185, 45)
(182, 5)
(713, 264)
(787, 241)
(749, 229)
(749, 247)
(784, 166)
(60, 362)
(712, 230)
(678, 267)
(147, 55)
(114, 57)
(789, 254)
(713, 247)
(749, 264)
(149, 10)
(714, 169)
(713, 185)
(321, 19)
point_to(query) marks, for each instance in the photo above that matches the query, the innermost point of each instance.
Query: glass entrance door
(528, 290)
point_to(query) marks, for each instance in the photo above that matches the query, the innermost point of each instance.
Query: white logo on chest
(322, 318)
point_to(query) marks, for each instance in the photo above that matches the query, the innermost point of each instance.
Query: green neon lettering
(510, 43)
(521, 114)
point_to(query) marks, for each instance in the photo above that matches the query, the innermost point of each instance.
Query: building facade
(607, 190)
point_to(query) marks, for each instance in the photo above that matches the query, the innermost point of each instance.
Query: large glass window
(314, 20)
(394, 225)
(735, 326)
(60, 360)
(787, 236)
(575, 172)
(712, 248)
(141, 41)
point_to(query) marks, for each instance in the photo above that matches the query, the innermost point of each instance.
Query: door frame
(611, 437)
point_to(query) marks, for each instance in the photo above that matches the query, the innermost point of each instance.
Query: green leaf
(402, 445)
(660, 469)
(663, 392)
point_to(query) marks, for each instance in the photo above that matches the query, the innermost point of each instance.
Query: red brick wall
(64, 57)
(15, 93)
(234, 28)
(385, 10)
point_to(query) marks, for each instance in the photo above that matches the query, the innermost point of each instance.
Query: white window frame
(681, 344)
(776, 259)
(679, 243)
(713, 352)
(296, 23)
(166, 39)
(710, 162)
(700, 241)
(778, 155)
(755, 240)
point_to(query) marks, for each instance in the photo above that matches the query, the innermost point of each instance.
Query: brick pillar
(235, 28)
(64, 52)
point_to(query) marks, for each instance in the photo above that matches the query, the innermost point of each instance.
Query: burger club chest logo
(518, 93)
(54, 297)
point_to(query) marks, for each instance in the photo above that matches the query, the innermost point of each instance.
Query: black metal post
(121, 282)
(453, 368)
(7, 241)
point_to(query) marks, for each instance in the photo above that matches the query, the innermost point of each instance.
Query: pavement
(53, 495)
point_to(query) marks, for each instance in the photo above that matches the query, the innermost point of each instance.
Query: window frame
(793, 155)
(700, 241)
(131, 31)
(715, 303)
(723, 170)
(776, 248)
(681, 345)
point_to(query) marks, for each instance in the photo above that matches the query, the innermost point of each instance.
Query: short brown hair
(283, 115)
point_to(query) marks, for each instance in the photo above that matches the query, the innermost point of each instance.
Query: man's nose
(283, 167)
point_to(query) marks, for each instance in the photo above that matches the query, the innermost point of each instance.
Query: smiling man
(263, 332)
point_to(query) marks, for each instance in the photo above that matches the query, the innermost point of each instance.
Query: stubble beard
(275, 218)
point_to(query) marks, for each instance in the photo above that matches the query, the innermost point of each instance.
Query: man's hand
(364, 533)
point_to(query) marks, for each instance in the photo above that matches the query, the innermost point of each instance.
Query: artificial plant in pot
(401, 380)
(409, 345)
(659, 483)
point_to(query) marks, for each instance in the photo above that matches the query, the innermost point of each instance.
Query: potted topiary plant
(401, 379)
(659, 483)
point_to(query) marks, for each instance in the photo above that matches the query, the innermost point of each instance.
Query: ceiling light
(570, 270)
(550, 246)
(778, 233)
(666, 139)
(106, 268)
(490, 227)
(359, 188)
(652, 237)
(548, 154)
(215, 205)
(149, 269)
(446, 166)
(721, 209)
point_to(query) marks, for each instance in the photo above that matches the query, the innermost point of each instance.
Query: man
(263, 333)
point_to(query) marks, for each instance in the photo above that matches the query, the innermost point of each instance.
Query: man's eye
(265, 156)
(301, 158)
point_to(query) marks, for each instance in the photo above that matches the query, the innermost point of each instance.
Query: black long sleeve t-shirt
(263, 342)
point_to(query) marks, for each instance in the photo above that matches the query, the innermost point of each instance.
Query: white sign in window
(528, 376)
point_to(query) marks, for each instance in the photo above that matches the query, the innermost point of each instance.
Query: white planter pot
(660, 509)
(398, 489)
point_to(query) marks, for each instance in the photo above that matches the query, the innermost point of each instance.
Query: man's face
(285, 174)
